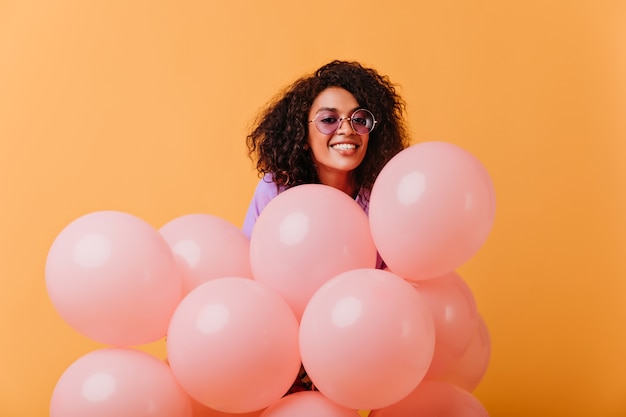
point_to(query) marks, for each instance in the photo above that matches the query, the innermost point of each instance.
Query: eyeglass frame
(342, 119)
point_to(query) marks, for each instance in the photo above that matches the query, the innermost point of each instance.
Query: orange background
(143, 106)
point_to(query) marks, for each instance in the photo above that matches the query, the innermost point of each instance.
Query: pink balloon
(207, 247)
(431, 209)
(308, 404)
(113, 278)
(304, 237)
(119, 382)
(468, 371)
(200, 410)
(366, 339)
(233, 345)
(455, 315)
(435, 398)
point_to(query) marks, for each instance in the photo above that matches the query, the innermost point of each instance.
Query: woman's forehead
(335, 99)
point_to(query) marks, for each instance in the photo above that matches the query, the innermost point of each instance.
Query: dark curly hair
(279, 140)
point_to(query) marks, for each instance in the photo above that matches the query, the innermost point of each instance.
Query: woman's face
(344, 149)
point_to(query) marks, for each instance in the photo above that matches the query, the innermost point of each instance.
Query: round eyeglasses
(328, 122)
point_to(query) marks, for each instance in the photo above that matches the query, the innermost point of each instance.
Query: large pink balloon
(308, 404)
(468, 371)
(200, 410)
(304, 237)
(113, 278)
(366, 338)
(119, 382)
(436, 399)
(207, 247)
(431, 209)
(233, 345)
(455, 315)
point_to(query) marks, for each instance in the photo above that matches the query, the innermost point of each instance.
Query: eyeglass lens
(328, 121)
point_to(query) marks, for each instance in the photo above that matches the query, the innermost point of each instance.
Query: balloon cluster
(243, 316)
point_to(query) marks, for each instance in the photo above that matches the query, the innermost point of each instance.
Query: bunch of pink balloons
(242, 316)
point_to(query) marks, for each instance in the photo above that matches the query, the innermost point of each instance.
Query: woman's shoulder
(265, 192)
(267, 187)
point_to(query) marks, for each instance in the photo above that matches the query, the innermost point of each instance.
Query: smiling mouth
(344, 146)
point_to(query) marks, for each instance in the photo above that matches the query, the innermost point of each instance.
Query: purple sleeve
(265, 191)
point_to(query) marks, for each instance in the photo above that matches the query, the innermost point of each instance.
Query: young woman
(338, 126)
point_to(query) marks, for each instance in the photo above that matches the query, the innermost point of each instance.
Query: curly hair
(279, 140)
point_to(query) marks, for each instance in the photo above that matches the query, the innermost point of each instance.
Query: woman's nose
(345, 128)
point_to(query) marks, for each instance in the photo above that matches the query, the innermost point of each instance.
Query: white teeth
(344, 146)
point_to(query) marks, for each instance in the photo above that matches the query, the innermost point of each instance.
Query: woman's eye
(329, 120)
(359, 121)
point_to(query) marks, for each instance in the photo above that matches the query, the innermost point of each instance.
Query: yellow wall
(142, 106)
